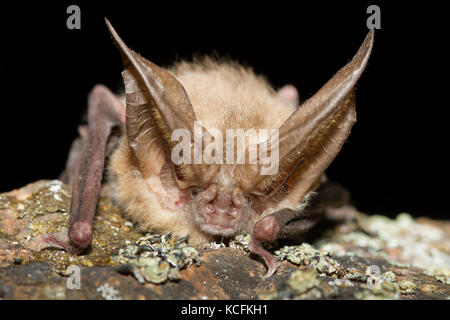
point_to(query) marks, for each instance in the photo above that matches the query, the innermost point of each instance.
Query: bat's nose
(222, 206)
(232, 211)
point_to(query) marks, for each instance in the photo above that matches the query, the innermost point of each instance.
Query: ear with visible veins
(157, 104)
(314, 133)
(317, 130)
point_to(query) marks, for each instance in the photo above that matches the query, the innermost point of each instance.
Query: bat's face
(221, 207)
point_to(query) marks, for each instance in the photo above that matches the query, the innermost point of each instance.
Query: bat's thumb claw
(80, 233)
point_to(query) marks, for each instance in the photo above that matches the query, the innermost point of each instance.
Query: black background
(395, 159)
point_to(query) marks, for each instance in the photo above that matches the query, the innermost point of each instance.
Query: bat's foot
(272, 266)
(267, 229)
(269, 259)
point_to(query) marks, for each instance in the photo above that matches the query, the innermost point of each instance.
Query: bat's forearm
(103, 117)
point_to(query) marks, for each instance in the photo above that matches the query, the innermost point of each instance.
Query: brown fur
(224, 96)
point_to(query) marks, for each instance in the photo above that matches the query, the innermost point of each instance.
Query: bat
(210, 200)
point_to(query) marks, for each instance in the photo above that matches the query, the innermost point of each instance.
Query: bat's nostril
(237, 197)
(209, 208)
(233, 212)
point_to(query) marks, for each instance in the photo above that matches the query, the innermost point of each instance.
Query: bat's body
(223, 96)
(217, 199)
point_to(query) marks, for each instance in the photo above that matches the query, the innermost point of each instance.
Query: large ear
(157, 104)
(316, 131)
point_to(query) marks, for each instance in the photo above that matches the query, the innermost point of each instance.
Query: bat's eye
(194, 192)
(249, 198)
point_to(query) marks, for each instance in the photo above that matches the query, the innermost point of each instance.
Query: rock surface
(367, 257)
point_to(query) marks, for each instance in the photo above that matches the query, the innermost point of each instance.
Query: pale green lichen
(414, 240)
(108, 292)
(389, 276)
(402, 241)
(383, 293)
(240, 242)
(155, 258)
(441, 275)
(407, 286)
(353, 274)
(302, 284)
(305, 254)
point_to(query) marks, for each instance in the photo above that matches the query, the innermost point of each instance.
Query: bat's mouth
(216, 229)
(220, 224)
(220, 211)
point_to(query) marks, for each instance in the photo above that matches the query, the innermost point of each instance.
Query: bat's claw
(269, 259)
(272, 266)
(267, 230)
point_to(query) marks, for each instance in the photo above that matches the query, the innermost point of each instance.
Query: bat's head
(223, 196)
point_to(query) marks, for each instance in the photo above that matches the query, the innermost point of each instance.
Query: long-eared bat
(206, 200)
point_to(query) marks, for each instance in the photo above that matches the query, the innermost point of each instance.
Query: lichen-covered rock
(369, 257)
(40, 211)
(156, 258)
